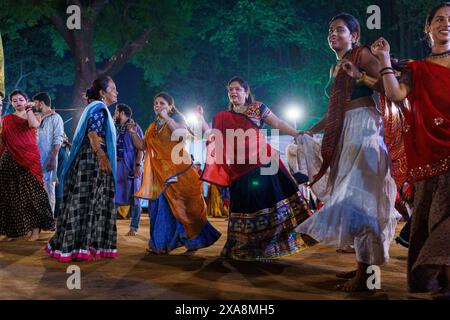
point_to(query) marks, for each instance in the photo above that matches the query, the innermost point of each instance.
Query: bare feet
(358, 282)
(346, 274)
(6, 239)
(346, 250)
(190, 252)
(308, 240)
(34, 235)
(131, 233)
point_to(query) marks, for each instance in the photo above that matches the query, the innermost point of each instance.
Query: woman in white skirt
(351, 166)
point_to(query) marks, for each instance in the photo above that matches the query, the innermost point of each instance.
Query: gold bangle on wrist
(362, 78)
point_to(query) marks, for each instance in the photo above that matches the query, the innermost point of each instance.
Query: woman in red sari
(265, 203)
(24, 205)
(424, 86)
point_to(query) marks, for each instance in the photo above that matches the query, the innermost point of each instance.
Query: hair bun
(90, 93)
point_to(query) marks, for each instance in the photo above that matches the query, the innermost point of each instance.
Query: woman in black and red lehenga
(265, 203)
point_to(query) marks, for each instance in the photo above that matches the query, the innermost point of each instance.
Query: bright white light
(191, 119)
(294, 112)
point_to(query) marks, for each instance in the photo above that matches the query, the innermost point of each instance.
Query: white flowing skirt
(358, 191)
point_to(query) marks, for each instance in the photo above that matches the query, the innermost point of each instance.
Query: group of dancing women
(387, 124)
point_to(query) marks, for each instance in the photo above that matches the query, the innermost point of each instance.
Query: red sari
(424, 141)
(20, 141)
(226, 161)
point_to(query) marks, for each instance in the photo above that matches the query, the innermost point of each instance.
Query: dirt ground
(27, 273)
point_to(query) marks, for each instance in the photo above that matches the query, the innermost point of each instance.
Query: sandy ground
(27, 273)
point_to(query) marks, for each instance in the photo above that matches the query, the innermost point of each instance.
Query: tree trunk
(81, 44)
(83, 55)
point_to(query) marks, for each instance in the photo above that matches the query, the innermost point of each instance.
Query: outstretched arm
(281, 125)
(394, 90)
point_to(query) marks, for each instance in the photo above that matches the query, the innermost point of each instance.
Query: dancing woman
(358, 188)
(170, 181)
(86, 223)
(265, 207)
(426, 137)
(24, 204)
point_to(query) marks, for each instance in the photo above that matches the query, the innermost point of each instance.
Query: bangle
(363, 77)
(387, 68)
(388, 72)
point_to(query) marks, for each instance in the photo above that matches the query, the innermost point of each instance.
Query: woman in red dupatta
(24, 205)
(426, 141)
(265, 203)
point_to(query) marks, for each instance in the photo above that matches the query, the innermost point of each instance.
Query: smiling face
(110, 95)
(160, 104)
(339, 36)
(18, 101)
(439, 29)
(237, 94)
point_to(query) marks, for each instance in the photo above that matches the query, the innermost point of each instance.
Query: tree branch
(122, 56)
(97, 7)
(60, 25)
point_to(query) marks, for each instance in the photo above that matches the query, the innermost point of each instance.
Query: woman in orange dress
(171, 183)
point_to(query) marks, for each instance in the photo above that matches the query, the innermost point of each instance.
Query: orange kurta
(185, 193)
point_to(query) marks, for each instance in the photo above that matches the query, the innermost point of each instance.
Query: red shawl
(224, 162)
(393, 123)
(427, 121)
(20, 141)
(340, 96)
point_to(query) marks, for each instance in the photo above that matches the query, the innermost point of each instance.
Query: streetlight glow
(191, 119)
(293, 113)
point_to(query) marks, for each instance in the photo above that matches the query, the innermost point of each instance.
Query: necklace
(159, 126)
(240, 109)
(440, 55)
(345, 54)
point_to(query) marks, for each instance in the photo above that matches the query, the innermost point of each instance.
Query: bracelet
(389, 72)
(363, 77)
(387, 68)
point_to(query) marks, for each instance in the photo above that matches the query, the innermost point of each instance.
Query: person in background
(129, 166)
(51, 132)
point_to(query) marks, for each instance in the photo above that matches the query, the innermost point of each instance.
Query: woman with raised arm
(265, 203)
(426, 136)
(357, 188)
(172, 184)
(24, 205)
(86, 223)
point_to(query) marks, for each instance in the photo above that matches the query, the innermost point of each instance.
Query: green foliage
(196, 46)
(32, 65)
